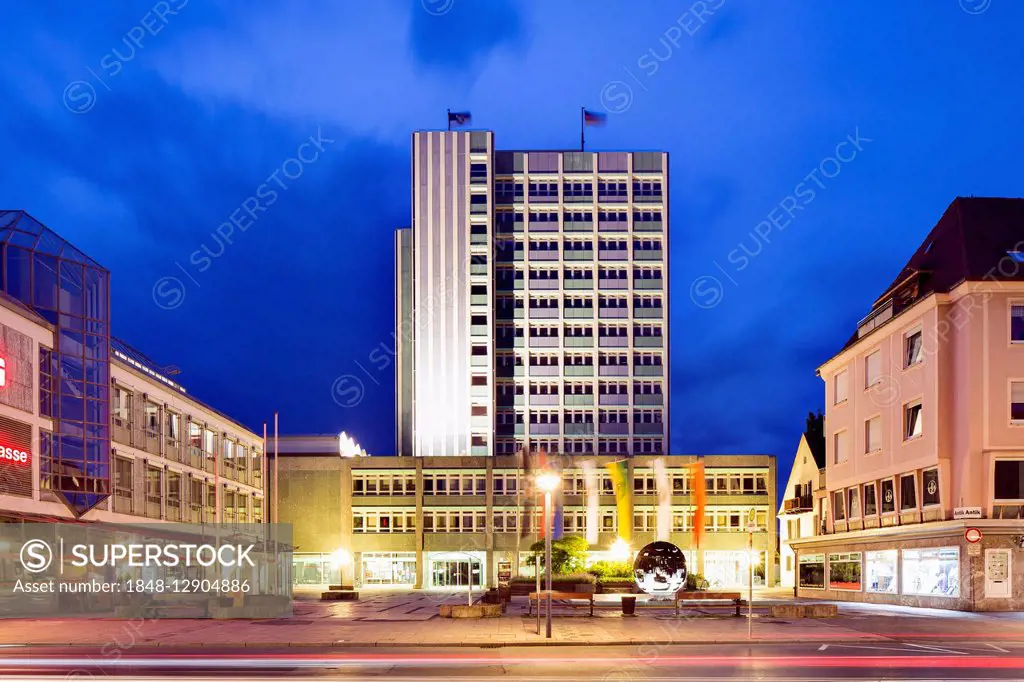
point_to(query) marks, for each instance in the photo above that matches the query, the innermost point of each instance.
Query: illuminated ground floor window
(811, 571)
(315, 568)
(844, 571)
(932, 572)
(881, 571)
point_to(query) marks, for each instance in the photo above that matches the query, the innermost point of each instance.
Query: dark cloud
(453, 34)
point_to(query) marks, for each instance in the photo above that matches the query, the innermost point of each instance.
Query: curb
(476, 645)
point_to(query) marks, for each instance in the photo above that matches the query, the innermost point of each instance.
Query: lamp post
(548, 482)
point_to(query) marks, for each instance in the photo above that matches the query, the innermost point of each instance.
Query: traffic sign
(972, 535)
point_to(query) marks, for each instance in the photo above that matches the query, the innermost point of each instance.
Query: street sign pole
(750, 590)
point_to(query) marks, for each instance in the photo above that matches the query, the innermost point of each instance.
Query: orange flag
(700, 492)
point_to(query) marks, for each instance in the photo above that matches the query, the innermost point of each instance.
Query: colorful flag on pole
(542, 464)
(700, 493)
(619, 472)
(594, 118)
(593, 500)
(528, 508)
(664, 488)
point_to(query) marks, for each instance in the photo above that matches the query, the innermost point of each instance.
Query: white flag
(591, 481)
(664, 488)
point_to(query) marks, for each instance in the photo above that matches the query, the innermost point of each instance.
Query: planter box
(617, 589)
(464, 611)
(793, 611)
(821, 611)
(339, 595)
(523, 589)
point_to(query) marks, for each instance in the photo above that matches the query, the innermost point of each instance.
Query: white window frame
(1009, 321)
(865, 574)
(868, 450)
(921, 492)
(903, 571)
(845, 433)
(917, 493)
(916, 402)
(906, 348)
(877, 353)
(844, 374)
(855, 490)
(842, 496)
(864, 496)
(813, 559)
(828, 570)
(1009, 401)
(895, 496)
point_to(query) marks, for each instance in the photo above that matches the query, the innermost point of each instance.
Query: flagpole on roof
(583, 127)
(449, 120)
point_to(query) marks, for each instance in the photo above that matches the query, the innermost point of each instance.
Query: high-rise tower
(535, 308)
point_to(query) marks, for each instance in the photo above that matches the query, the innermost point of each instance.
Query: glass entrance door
(453, 573)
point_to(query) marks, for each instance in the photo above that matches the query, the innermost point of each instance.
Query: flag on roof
(459, 118)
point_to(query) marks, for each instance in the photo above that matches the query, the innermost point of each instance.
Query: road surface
(890, 660)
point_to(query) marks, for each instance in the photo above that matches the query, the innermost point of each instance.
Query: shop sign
(966, 513)
(15, 457)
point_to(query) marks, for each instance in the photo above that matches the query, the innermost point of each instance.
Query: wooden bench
(562, 596)
(688, 596)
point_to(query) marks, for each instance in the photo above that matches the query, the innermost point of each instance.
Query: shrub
(618, 581)
(695, 581)
(584, 578)
(611, 569)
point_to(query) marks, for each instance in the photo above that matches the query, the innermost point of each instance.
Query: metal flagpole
(583, 127)
(449, 120)
(276, 503)
(548, 532)
(537, 571)
(263, 478)
(519, 508)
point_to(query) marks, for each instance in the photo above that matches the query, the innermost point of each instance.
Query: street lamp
(548, 482)
(620, 550)
(341, 559)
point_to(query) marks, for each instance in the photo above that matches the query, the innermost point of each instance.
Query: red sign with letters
(15, 457)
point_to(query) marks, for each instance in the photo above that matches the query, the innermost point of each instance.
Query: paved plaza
(411, 619)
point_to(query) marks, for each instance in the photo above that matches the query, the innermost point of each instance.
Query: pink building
(924, 428)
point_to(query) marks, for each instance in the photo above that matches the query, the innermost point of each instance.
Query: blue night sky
(138, 154)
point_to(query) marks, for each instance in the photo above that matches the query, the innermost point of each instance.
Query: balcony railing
(799, 504)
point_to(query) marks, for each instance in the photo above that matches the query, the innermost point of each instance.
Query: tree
(568, 554)
(815, 435)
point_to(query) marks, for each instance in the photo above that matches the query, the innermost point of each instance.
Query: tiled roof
(972, 242)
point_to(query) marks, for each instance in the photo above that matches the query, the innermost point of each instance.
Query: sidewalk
(410, 619)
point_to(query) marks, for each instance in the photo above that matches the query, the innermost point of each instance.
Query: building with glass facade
(432, 522)
(90, 428)
(532, 301)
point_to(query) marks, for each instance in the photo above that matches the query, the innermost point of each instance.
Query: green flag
(619, 472)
